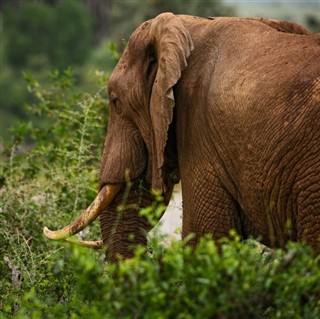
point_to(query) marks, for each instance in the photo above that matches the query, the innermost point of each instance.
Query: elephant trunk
(103, 199)
(122, 227)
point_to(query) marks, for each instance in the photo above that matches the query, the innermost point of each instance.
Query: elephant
(228, 106)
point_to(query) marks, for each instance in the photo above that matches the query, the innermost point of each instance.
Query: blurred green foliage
(40, 38)
(37, 37)
(38, 33)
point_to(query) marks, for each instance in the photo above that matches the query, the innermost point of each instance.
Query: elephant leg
(209, 209)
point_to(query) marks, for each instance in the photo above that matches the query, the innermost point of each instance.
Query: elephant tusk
(103, 199)
(97, 244)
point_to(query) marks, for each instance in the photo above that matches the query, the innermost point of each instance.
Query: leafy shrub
(49, 183)
(239, 282)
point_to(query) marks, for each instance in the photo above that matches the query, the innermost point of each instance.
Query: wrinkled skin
(232, 106)
(124, 227)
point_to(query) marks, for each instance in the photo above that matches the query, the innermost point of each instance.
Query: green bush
(48, 184)
(239, 282)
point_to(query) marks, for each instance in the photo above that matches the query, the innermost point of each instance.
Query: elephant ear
(172, 45)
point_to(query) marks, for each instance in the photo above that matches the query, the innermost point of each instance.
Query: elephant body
(248, 132)
(231, 106)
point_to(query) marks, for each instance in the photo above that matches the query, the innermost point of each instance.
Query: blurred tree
(61, 34)
(98, 9)
(101, 13)
(38, 37)
(313, 23)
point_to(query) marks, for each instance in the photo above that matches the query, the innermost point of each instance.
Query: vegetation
(51, 182)
(48, 185)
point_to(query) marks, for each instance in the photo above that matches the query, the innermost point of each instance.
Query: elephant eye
(115, 102)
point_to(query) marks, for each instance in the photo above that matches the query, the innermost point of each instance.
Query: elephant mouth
(104, 199)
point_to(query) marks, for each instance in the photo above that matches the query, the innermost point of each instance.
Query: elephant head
(140, 142)
(141, 103)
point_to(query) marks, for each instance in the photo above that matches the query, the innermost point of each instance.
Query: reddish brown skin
(125, 228)
(242, 133)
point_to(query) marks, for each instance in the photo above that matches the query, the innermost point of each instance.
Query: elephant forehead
(121, 79)
(122, 64)
(138, 42)
(118, 75)
(140, 33)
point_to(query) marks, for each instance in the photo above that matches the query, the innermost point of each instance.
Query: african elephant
(229, 106)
